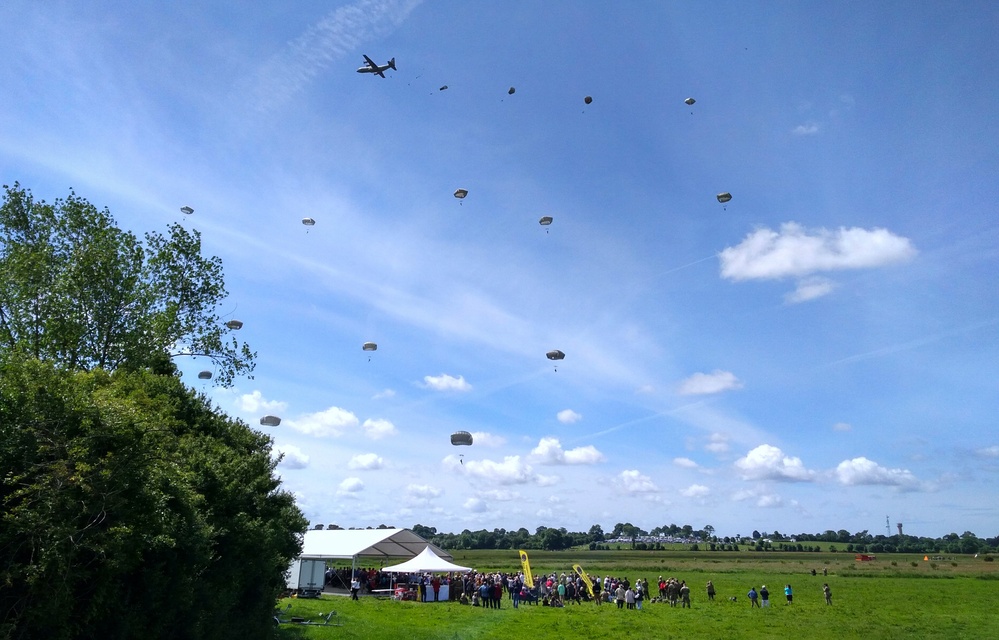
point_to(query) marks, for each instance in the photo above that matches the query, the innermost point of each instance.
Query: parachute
(461, 438)
(270, 421)
(555, 354)
(689, 101)
(545, 221)
(205, 375)
(511, 91)
(460, 193)
(309, 222)
(588, 99)
(369, 346)
(186, 210)
(235, 325)
(724, 197)
(444, 88)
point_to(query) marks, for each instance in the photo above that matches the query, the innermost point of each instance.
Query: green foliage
(129, 508)
(77, 290)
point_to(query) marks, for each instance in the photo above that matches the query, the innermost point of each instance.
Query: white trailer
(307, 577)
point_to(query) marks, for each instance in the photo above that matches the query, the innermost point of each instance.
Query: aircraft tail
(392, 64)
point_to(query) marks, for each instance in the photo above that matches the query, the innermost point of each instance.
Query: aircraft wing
(371, 63)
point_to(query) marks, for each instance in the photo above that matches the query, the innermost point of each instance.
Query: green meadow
(895, 596)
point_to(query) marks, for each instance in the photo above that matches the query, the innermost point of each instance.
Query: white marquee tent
(427, 561)
(354, 544)
(324, 544)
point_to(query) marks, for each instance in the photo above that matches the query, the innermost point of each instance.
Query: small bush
(895, 564)
(915, 564)
(953, 564)
(988, 559)
(933, 565)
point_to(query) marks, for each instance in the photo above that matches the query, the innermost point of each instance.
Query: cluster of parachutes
(458, 438)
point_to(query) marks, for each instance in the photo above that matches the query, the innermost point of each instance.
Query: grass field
(898, 596)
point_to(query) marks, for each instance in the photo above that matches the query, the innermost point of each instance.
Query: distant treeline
(704, 539)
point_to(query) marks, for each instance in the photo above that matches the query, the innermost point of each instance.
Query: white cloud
(809, 289)
(547, 481)
(549, 451)
(717, 443)
(367, 461)
(686, 463)
(842, 426)
(794, 252)
(545, 514)
(767, 462)
(632, 481)
(759, 496)
(331, 422)
(377, 429)
(444, 382)
(349, 487)
(500, 495)
(695, 491)
(861, 471)
(256, 403)
(422, 493)
(769, 500)
(294, 458)
(476, 505)
(568, 416)
(483, 439)
(805, 129)
(705, 383)
(512, 470)
(989, 452)
(384, 393)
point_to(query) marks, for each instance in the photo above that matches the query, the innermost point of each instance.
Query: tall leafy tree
(130, 508)
(76, 289)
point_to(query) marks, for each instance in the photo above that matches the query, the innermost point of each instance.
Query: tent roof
(426, 561)
(371, 543)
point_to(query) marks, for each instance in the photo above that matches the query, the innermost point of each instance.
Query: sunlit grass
(875, 600)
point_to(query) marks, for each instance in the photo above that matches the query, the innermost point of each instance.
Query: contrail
(913, 344)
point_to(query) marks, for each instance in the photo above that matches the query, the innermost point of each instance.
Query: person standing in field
(827, 593)
(753, 597)
(619, 596)
(765, 596)
(355, 586)
(684, 595)
(788, 594)
(711, 590)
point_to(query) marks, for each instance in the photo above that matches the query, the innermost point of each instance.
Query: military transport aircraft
(371, 67)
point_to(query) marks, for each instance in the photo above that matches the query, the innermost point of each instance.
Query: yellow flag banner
(525, 563)
(586, 579)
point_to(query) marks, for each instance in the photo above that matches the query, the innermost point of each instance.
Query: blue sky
(820, 352)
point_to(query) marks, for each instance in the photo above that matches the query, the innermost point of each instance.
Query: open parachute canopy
(235, 325)
(186, 210)
(555, 354)
(511, 91)
(588, 99)
(369, 346)
(309, 222)
(545, 221)
(460, 193)
(724, 197)
(461, 438)
(270, 421)
(689, 101)
(205, 375)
